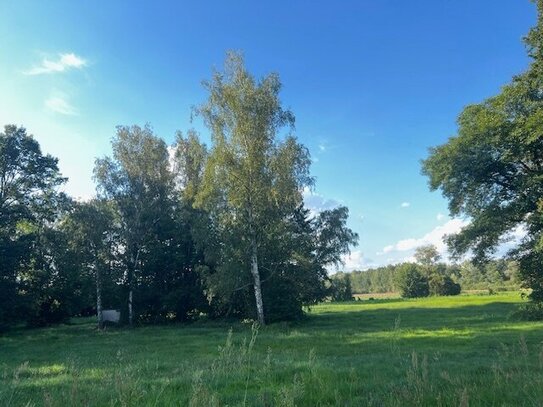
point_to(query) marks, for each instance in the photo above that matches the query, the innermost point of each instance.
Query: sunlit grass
(432, 351)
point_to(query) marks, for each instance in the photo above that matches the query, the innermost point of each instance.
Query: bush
(442, 285)
(450, 287)
(411, 282)
(531, 311)
(340, 288)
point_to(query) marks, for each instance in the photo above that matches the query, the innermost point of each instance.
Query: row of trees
(174, 232)
(429, 276)
(413, 280)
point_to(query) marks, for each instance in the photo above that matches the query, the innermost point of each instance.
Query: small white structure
(111, 315)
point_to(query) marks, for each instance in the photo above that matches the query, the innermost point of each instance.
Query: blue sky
(373, 84)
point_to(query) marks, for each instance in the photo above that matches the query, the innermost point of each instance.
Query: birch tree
(92, 232)
(254, 177)
(138, 179)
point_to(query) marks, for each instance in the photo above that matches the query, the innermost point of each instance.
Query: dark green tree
(341, 287)
(440, 283)
(411, 282)
(92, 231)
(312, 245)
(29, 202)
(492, 170)
(157, 249)
(138, 180)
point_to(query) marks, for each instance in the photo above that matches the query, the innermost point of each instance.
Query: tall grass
(241, 377)
(293, 365)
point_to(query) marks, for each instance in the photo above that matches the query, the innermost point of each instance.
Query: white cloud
(171, 157)
(386, 249)
(511, 240)
(317, 203)
(322, 147)
(356, 261)
(405, 205)
(434, 237)
(409, 259)
(58, 104)
(403, 250)
(440, 216)
(63, 63)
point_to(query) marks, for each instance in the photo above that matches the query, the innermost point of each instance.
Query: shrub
(442, 285)
(411, 282)
(341, 289)
(531, 311)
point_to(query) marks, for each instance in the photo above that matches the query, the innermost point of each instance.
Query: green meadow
(464, 350)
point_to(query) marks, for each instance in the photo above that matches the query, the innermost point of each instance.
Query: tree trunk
(132, 276)
(130, 311)
(99, 299)
(256, 282)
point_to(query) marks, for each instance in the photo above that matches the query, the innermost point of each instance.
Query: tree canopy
(252, 188)
(30, 204)
(492, 170)
(175, 232)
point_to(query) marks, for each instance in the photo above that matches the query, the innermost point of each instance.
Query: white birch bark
(257, 285)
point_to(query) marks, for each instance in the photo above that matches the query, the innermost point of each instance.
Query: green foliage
(496, 275)
(341, 288)
(532, 311)
(252, 190)
(252, 181)
(492, 170)
(93, 235)
(29, 205)
(189, 164)
(217, 231)
(411, 282)
(160, 260)
(377, 280)
(442, 284)
(427, 255)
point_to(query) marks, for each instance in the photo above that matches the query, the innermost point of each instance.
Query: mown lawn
(436, 351)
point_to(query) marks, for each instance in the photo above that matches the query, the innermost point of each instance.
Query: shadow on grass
(376, 343)
(413, 317)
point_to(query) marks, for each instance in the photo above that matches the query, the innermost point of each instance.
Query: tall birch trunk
(132, 276)
(257, 284)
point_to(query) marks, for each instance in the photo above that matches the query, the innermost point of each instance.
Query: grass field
(454, 351)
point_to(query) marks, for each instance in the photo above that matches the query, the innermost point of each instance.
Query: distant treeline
(495, 275)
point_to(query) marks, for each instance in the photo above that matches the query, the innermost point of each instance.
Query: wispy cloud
(58, 104)
(434, 237)
(403, 250)
(356, 261)
(440, 216)
(405, 205)
(317, 203)
(63, 63)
